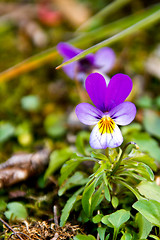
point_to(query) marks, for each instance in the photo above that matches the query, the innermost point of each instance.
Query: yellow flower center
(106, 125)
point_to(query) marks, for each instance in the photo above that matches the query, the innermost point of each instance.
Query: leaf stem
(115, 234)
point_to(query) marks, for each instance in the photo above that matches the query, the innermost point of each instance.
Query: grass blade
(139, 25)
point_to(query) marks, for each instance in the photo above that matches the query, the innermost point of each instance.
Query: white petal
(102, 141)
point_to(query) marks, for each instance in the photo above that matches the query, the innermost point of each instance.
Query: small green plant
(118, 186)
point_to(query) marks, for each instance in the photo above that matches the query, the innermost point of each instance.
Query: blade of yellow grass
(29, 64)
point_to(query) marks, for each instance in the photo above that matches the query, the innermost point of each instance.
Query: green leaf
(31, 103)
(138, 156)
(126, 236)
(141, 168)
(79, 178)
(84, 237)
(146, 144)
(107, 193)
(86, 198)
(115, 202)
(130, 188)
(16, 211)
(101, 232)
(139, 25)
(57, 158)
(69, 167)
(150, 209)
(118, 218)
(97, 218)
(96, 199)
(150, 190)
(105, 221)
(152, 123)
(81, 139)
(100, 156)
(6, 131)
(144, 226)
(146, 171)
(107, 237)
(68, 207)
(154, 237)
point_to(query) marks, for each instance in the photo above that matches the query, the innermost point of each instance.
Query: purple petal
(97, 89)
(67, 50)
(70, 70)
(88, 114)
(123, 114)
(102, 141)
(105, 59)
(118, 90)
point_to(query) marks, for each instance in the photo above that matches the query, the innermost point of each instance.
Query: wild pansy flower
(110, 109)
(103, 61)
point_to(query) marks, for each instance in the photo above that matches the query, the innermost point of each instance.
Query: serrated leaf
(144, 226)
(16, 211)
(68, 207)
(150, 209)
(118, 218)
(57, 158)
(150, 190)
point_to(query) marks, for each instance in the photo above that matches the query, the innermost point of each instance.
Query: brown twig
(22, 166)
(55, 214)
(10, 228)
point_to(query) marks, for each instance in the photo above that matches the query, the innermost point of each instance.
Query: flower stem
(107, 154)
